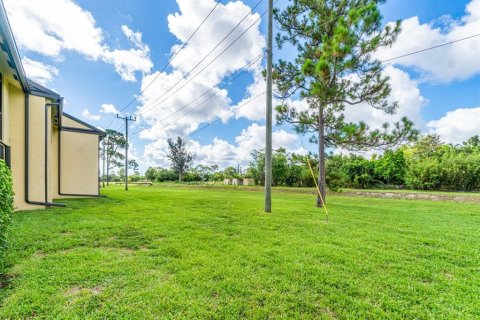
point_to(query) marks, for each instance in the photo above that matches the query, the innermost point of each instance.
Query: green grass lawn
(166, 252)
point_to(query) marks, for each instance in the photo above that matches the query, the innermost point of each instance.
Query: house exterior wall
(15, 101)
(79, 151)
(15, 118)
(78, 162)
(36, 163)
(67, 122)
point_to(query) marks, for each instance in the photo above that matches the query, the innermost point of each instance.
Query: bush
(461, 172)
(360, 172)
(390, 168)
(452, 172)
(424, 174)
(135, 178)
(6, 207)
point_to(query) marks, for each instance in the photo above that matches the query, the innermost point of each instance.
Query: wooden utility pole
(268, 138)
(127, 119)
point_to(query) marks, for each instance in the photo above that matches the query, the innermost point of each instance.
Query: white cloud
(458, 61)
(134, 37)
(108, 108)
(38, 71)
(458, 125)
(36, 29)
(157, 110)
(87, 115)
(222, 152)
(256, 110)
(127, 62)
(405, 91)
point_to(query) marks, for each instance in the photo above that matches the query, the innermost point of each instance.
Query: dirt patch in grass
(412, 196)
(404, 195)
(73, 291)
(6, 280)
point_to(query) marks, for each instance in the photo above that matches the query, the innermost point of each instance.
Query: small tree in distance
(115, 142)
(179, 156)
(151, 174)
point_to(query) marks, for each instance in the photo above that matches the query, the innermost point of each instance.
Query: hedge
(6, 207)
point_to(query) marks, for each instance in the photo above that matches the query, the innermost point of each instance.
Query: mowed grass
(169, 253)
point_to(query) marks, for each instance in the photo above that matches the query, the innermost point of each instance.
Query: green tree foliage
(433, 165)
(427, 164)
(334, 67)
(179, 156)
(166, 175)
(205, 173)
(391, 167)
(231, 172)
(288, 169)
(151, 174)
(359, 171)
(6, 208)
(133, 164)
(115, 142)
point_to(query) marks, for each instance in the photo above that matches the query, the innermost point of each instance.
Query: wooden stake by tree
(334, 67)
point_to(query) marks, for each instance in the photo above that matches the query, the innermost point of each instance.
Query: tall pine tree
(334, 67)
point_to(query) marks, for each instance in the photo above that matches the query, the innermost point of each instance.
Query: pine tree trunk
(322, 184)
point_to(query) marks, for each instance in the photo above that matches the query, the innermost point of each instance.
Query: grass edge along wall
(48, 159)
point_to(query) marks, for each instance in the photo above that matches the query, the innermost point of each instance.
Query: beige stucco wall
(6, 110)
(16, 140)
(36, 163)
(67, 122)
(78, 163)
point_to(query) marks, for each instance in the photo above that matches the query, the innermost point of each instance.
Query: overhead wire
(383, 61)
(228, 113)
(228, 81)
(154, 103)
(170, 60)
(430, 48)
(213, 87)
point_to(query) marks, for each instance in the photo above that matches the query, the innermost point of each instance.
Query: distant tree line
(428, 164)
(199, 173)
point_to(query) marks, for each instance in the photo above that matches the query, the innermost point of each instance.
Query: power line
(232, 111)
(431, 48)
(387, 60)
(227, 83)
(175, 55)
(206, 92)
(127, 120)
(171, 59)
(153, 103)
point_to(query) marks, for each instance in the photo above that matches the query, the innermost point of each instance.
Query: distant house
(238, 182)
(51, 154)
(248, 182)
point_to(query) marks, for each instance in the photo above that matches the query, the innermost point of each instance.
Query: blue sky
(439, 90)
